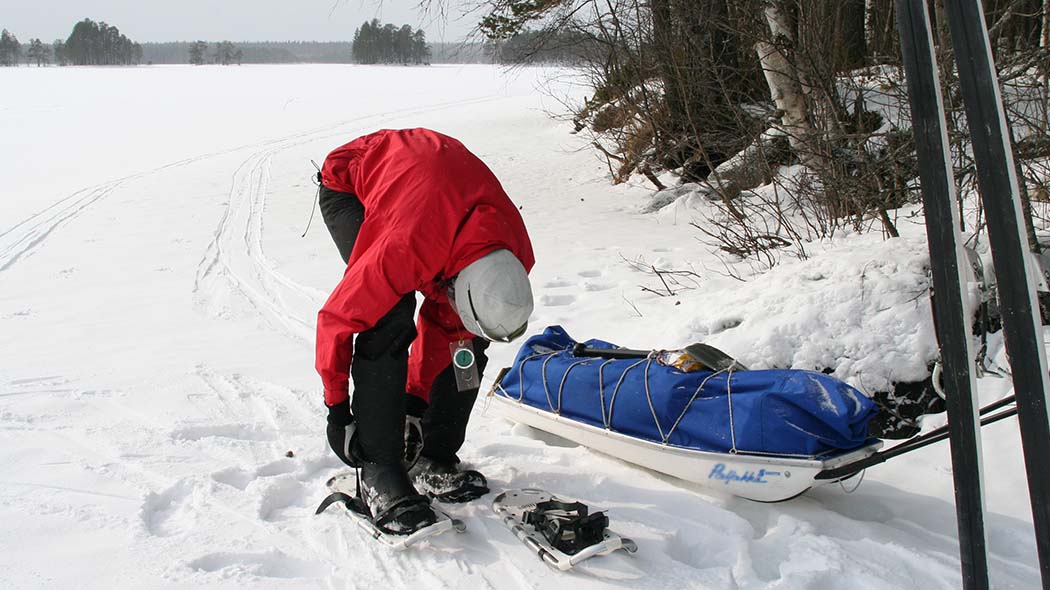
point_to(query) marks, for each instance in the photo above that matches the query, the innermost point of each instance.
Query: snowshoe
(395, 506)
(385, 505)
(446, 482)
(563, 533)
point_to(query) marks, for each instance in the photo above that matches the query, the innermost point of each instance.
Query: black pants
(380, 366)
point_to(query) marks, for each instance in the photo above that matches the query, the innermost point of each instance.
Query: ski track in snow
(21, 239)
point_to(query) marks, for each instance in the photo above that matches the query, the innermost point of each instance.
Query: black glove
(341, 430)
(415, 407)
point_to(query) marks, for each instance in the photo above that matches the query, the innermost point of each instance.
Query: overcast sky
(234, 20)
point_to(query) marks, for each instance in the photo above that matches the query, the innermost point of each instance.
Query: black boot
(446, 482)
(395, 506)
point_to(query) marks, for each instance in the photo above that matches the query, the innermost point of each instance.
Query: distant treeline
(265, 52)
(90, 44)
(225, 53)
(554, 47)
(93, 43)
(287, 52)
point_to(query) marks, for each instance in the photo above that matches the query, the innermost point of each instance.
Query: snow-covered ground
(161, 425)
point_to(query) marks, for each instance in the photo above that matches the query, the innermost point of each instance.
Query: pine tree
(58, 49)
(225, 53)
(375, 42)
(420, 49)
(10, 49)
(93, 43)
(38, 52)
(198, 51)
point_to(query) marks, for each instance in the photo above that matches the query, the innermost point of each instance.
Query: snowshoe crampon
(562, 533)
(343, 492)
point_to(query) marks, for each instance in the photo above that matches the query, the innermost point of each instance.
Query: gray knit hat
(493, 296)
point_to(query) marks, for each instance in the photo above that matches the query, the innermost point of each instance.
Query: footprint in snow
(165, 513)
(241, 478)
(279, 467)
(234, 477)
(590, 274)
(696, 550)
(557, 300)
(279, 494)
(557, 283)
(246, 432)
(724, 324)
(273, 564)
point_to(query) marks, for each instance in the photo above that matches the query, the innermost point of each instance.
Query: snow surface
(157, 307)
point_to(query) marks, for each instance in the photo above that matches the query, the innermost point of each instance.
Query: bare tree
(725, 94)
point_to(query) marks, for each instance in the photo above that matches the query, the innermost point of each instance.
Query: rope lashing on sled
(521, 375)
(607, 410)
(561, 386)
(729, 398)
(685, 410)
(607, 418)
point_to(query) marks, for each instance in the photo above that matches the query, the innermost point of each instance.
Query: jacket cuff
(336, 395)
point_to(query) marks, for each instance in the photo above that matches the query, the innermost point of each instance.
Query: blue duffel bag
(777, 412)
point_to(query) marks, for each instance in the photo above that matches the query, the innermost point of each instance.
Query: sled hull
(764, 478)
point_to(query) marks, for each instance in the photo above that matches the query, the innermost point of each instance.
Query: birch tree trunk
(784, 86)
(1044, 42)
(869, 26)
(1045, 37)
(881, 32)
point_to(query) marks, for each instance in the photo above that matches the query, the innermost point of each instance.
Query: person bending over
(414, 211)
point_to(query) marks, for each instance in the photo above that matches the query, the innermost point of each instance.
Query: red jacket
(431, 208)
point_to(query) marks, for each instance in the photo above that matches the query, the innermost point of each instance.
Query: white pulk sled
(695, 414)
(764, 478)
(699, 415)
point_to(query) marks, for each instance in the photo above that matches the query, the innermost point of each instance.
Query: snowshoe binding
(446, 482)
(563, 533)
(386, 505)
